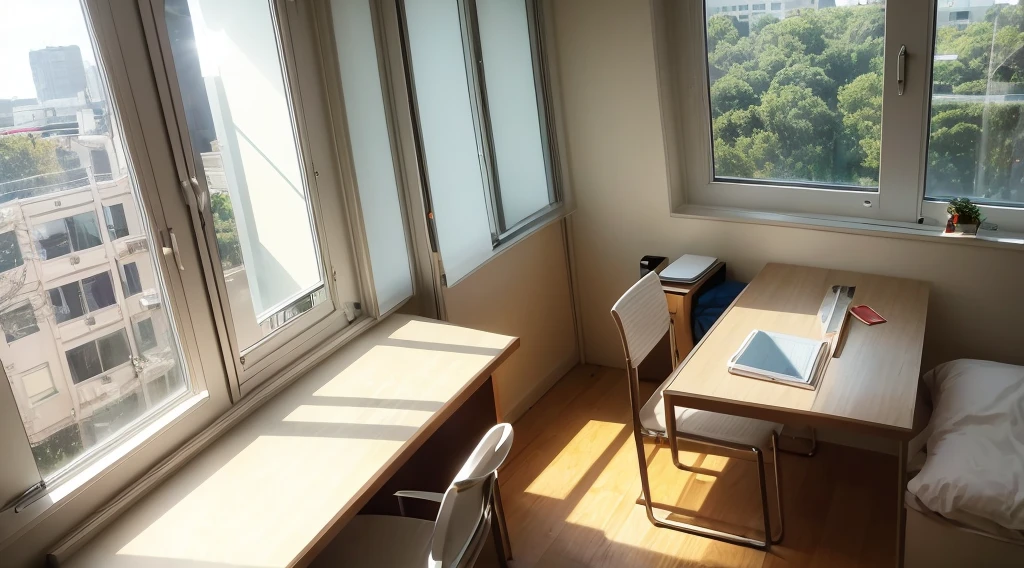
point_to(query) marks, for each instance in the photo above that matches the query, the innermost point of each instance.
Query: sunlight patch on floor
(560, 477)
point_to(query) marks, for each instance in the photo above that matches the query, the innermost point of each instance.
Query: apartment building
(85, 346)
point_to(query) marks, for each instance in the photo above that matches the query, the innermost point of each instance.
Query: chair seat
(379, 540)
(743, 431)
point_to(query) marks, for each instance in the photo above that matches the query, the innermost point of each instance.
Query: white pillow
(975, 467)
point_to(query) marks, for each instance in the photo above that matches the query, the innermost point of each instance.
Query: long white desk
(276, 488)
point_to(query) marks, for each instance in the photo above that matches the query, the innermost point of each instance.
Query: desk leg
(901, 511)
(670, 428)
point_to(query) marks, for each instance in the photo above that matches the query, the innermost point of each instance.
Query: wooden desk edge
(368, 490)
(789, 416)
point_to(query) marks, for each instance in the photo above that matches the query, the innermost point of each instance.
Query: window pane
(796, 96)
(99, 291)
(146, 337)
(132, 282)
(237, 108)
(114, 350)
(19, 322)
(51, 239)
(976, 138)
(39, 384)
(516, 119)
(62, 141)
(67, 302)
(10, 251)
(117, 224)
(84, 362)
(83, 231)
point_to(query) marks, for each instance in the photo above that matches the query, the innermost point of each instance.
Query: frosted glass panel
(371, 151)
(449, 138)
(512, 105)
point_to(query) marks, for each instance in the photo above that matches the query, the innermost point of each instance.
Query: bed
(965, 498)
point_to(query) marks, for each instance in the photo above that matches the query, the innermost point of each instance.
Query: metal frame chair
(642, 318)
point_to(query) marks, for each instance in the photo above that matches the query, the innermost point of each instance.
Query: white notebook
(780, 357)
(688, 268)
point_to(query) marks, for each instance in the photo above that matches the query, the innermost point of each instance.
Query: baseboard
(517, 410)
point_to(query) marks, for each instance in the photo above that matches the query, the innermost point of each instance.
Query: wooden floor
(571, 484)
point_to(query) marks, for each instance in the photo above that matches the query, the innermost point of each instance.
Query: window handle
(173, 250)
(901, 71)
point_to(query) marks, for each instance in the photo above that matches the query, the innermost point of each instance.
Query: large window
(828, 110)
(277, 225)
(976, 139)
(63, 150)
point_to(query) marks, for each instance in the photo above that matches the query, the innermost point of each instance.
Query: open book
(779, 357)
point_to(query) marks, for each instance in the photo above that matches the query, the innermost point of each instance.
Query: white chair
(454, 540)
(642, 318)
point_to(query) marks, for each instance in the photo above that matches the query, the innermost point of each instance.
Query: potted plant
(964, 216)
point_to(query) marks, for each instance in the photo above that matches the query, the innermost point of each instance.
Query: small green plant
(964, 212)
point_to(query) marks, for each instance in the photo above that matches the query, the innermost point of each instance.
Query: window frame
(20, 306)
(899, 203)
(334, 227)
(501, 231)
(100, 473)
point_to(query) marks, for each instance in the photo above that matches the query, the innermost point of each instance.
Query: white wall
(618, 165)
(524, 291)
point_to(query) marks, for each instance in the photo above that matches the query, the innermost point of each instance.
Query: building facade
(87, 344)
(58, 72)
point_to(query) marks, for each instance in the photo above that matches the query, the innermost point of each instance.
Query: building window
(117, 223)
(62, 236)
(959, 16)
(75, 299)
(131, 282)
(146, 335)
(19, 322)
(38, 385)
(98, 356)
(67, 302)
(98, 291)
(776, 6)
(10, 251)
(758, 6)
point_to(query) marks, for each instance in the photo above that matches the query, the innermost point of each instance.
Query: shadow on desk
(400, 407)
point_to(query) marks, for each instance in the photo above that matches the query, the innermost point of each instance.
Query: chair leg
(778, 489)
(645, 486)
(502, 541)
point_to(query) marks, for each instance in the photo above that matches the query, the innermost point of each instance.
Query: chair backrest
(464, 520)
(641, 315)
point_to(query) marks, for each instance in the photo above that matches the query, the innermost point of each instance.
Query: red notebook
(866, 315)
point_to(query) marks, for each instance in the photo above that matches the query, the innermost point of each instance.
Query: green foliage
(24, 156)
(226, 230)
(965, 211)
(801, 99)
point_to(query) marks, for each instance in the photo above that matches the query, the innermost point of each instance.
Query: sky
(35, 24)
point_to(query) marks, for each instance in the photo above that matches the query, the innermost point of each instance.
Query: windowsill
(869, 227)
(65, 488)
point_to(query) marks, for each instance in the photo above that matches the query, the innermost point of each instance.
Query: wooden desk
(871, 388)
(275, 489)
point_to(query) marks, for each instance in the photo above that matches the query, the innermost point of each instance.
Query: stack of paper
(779, 357)
(688, 268)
